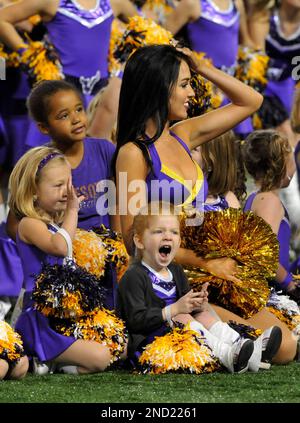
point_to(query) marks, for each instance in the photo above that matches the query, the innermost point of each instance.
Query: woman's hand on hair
(197, 61)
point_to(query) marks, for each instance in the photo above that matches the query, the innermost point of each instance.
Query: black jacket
(138, 304)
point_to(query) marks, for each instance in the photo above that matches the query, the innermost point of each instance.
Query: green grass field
(280, 384)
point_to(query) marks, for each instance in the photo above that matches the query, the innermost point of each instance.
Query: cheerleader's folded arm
(35, 232)
(123, 9)
(186, 11)
(15, 13)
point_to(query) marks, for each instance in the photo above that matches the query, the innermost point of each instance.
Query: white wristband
(67, 238)
(168, 315)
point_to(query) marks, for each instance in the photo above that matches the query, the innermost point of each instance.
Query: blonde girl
(43, 198)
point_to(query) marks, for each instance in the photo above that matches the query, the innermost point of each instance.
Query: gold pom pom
(11, 345)
(35, 19)
(89, 252)
(203, 89)
(93, 249)
(247, 239)
(139, 32)
(117, 31)
(286, 310)
(100, 325)
(256, 121)
(153, 33)
(71, 304)
(12, 60)
(181, 350)
(116, 250)
(252, 67)
(283, 316)
(35, 59)
(158, 6)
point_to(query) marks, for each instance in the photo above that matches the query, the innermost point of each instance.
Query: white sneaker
(67, 369)
(242, 351)
(271, 341)
(39, 368)
(234, 355)
(255, 359)
(265, 347)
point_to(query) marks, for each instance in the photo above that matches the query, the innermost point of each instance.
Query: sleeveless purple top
(81, 38)
(39, 339)
(90, 179)
(283, 236)
(32, 259)
(281, 50)
(165, 184)
(219, 204)
(216, 33)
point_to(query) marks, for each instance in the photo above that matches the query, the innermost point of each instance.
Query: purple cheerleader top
(164, 288)
(216, 33)
(219, 204)
(281, 50)
(283, 236)
(81, 38)
(88, 178)
(164, 184)
(39, 339)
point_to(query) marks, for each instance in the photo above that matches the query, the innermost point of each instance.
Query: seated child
(154, 291)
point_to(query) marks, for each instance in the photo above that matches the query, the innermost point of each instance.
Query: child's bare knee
(100, 361)
(3, 369)
(21, 369)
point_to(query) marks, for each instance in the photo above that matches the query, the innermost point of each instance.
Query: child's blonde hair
(265, 153)
(142, 219)
(24, 180)
(295, 114)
